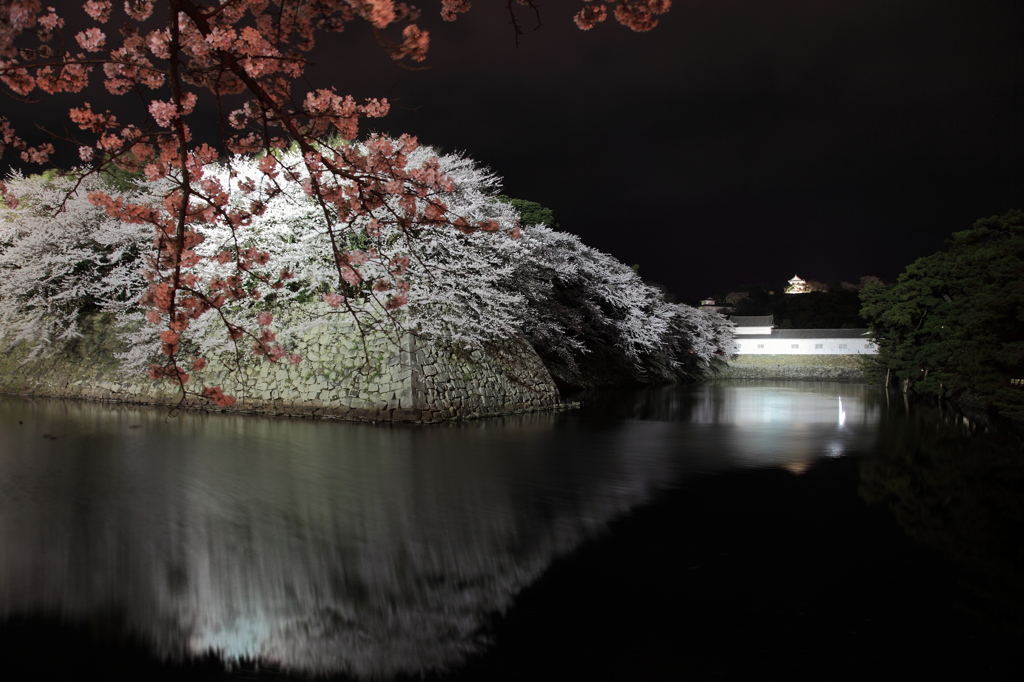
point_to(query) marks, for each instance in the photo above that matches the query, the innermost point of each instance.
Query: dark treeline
(952, 325)
(837, 308)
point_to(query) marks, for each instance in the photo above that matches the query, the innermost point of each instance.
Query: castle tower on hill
(797, 286)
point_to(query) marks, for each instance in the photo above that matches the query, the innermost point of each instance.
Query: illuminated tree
(589, 316)
(595, 322)
(175, 52)
(61, 258)
(448, 281)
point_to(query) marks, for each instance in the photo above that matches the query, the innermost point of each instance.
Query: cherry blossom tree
(595, 322)
(473, 288)
(589, 316)
(254, 52)
(448, 281)
(62, 258)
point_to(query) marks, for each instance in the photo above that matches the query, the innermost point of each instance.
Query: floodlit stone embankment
(812, 367)
(342, 374)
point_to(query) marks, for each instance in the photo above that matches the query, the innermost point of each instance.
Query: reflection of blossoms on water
(330, 547)
(319, 546)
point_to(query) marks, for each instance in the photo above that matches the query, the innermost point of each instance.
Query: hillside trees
(953, 323)
(249, 59)
(837, 308)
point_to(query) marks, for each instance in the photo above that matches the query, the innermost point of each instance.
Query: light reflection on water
(751, 424)
(334, 547)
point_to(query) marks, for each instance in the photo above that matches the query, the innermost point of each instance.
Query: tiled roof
(812, 334)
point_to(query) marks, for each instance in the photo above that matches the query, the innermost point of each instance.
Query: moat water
(733, 530)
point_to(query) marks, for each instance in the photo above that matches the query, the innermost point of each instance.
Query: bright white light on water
(834, 449)
(788, 407)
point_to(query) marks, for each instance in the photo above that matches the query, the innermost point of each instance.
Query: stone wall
(376, 377)
(817, 367)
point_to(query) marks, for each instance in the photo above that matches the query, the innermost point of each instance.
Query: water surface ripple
(373, 551)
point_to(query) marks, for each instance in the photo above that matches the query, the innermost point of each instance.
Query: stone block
(406, 415)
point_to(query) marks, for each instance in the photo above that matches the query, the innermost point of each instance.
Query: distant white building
(755, 335)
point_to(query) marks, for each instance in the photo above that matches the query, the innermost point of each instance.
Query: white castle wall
(805, 346)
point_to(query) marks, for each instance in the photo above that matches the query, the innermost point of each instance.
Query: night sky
(741, 141)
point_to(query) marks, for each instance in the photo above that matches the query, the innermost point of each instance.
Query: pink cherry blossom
(590, 16)
(349, 275)
(396, 301)
(40, 154)
(162, 112)
(450, 9)
(139, 10)
(91, 39)
(49, 21)
(98, 10)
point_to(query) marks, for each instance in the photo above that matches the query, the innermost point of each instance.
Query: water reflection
(332, 547)
(755, 423)
(956, 485)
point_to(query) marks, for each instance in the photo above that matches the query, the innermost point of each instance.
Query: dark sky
(741, 141)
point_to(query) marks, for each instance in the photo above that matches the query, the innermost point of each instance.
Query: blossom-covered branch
(180, 54)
